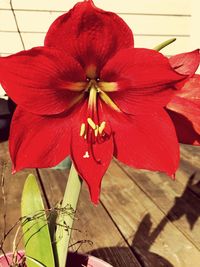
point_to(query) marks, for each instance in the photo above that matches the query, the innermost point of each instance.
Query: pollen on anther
(102, 127)
(91, 123)
(82, 130)
(96, 131)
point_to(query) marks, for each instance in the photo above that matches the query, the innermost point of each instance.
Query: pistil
(92, 128)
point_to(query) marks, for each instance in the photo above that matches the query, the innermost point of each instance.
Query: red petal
(185, 130)
(184, 110)
(146, 142)
(40, 80)
(89, 34)
(90, 160)
(186, 63)
(38, 141)
(145, 80)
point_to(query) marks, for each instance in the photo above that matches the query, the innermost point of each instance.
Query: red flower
(89, 94)
(184, 108)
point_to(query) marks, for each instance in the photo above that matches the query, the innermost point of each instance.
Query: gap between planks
(94, 222)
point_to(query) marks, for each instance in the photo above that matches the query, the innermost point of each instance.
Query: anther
(91, 123)
(102, 127)
(96, 131)
(82, 130)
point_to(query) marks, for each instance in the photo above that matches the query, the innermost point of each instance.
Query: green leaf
(63, 165)
(38, 247)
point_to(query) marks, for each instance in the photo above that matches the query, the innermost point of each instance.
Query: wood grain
(93, 223)
(142, 219)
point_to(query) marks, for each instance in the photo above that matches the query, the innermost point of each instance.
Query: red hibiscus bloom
(184, 108)
(89, 94)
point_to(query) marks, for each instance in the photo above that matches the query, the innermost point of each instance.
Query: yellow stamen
(91, 123)
(108, 101)
(82, 130)
(108, 86)
(74, 86)
(92, 97)
(96, 131)
(102, 127)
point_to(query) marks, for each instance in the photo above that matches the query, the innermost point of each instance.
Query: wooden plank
(94, 223)
(34, 21)
(4, 153)
(10, 43)
(179, 204)
(10, 199)
(189, 171)
(127, 6)
(176, 198)
(157, 241)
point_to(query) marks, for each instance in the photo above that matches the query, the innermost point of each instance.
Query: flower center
(92, 123)
(94, 129)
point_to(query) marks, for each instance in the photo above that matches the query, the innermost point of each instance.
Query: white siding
(152, 22)
(195, 23)
(177, 7)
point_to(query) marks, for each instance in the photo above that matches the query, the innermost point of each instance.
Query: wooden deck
(143, 219)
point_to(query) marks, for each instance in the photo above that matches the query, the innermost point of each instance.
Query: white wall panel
(195, 24)
(7, 22)
(162, 25)
(10, 42)
(179, 46)
(152, 21)
(33, 21)
(179, 7)
(4, 4)
(33, 39)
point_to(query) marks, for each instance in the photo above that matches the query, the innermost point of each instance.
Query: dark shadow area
(186, 205)
(7, 108)
(76, 260)
(141, 244)
(184, 128)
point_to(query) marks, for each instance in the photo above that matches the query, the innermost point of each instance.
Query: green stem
(70, 199)
(164, 44)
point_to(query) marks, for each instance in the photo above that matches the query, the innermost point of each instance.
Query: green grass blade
(38, 247)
